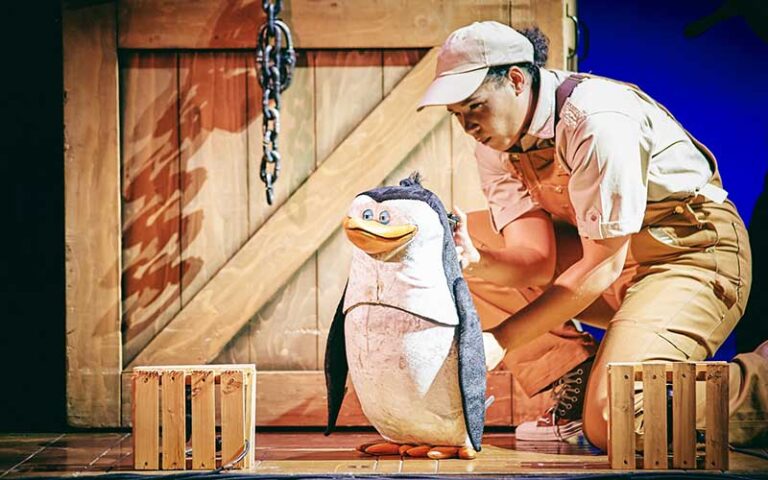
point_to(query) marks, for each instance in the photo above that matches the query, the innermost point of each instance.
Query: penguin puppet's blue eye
(384, 217)
(368, 214)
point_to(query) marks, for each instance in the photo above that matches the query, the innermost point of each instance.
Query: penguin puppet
(406, 329)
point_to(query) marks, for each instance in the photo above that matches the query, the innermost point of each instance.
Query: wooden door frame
(93, 32)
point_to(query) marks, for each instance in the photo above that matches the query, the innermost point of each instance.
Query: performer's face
(497, 113)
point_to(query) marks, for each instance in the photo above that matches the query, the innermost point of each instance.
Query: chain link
(276, 64)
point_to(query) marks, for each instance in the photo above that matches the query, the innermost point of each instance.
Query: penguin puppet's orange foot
(423, 451)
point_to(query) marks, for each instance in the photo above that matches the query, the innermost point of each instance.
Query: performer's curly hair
(540, 54)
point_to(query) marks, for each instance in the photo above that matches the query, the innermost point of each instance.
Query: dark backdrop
(715, 83)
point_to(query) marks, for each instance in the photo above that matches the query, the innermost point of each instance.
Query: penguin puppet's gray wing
(471, 363)
(336, 367)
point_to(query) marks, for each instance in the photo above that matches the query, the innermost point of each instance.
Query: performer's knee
(595, 416)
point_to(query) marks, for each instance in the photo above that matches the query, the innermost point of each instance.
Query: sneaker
(562, 420)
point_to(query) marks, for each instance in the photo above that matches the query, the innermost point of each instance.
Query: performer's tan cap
(466, 56)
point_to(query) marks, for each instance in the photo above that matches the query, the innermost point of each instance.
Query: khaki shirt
(621, 149)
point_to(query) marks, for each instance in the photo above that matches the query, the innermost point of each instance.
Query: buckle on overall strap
(713, 192)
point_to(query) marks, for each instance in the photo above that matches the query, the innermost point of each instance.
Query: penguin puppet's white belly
(405, 373)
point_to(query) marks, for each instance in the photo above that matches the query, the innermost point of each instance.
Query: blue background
(716, 84)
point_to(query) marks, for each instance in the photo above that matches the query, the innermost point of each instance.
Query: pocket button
(679, 209)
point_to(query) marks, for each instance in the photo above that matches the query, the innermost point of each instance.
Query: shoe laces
(565, 394)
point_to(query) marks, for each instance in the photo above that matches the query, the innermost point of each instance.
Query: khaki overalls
(683, 289)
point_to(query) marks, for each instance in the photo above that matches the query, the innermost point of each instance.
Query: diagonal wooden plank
(269, 258)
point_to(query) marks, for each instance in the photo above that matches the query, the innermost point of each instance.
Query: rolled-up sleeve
(507, 196)
(608, 155)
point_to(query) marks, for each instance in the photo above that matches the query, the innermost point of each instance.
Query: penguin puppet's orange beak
(373, 237)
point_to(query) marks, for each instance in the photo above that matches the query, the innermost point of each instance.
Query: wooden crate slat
(232, 416)
(684, 415)
(203, 420)
(701, 369)
(249, 379)
(174, 419)
(621, 435)
(654, 417)
(146, 421)
(717, 417)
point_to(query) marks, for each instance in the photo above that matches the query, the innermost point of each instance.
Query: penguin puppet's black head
(383, 221)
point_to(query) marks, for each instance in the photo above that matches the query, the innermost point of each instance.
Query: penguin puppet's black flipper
(336, 367)
(471, 363)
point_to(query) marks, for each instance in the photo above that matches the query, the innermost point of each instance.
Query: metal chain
(275, 72)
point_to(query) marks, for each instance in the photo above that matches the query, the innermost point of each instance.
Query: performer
(602, 209)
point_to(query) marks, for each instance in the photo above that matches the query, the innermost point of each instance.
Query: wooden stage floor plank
(310, 452)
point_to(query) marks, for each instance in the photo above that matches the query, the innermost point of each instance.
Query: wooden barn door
(210, 272)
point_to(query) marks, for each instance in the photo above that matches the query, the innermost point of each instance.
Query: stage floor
(292, 453)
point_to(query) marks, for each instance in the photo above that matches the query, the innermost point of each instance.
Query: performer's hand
(465, 249)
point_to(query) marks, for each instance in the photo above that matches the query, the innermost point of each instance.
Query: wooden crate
(159, 416)
(655, 377)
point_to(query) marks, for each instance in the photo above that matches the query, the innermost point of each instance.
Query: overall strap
(565, 90)
(713, 190)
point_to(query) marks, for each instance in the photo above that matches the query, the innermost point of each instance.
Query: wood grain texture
(151, 196)
(146, 420)
(397, 64)
(232, 416)
(467, 191)
(432, 157)
(570, 46)
(214, 159)
(299, 398)
(683, 415)
(621, 420)
(357, 78)
(717, 417)
(315, 24)
(203, 420)
(548, 15)
(249, 379)
(654, 417)
(189, 23)
(92, 218)
(283, 334)
(253, 275)
(296, 140)
(174, 418)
